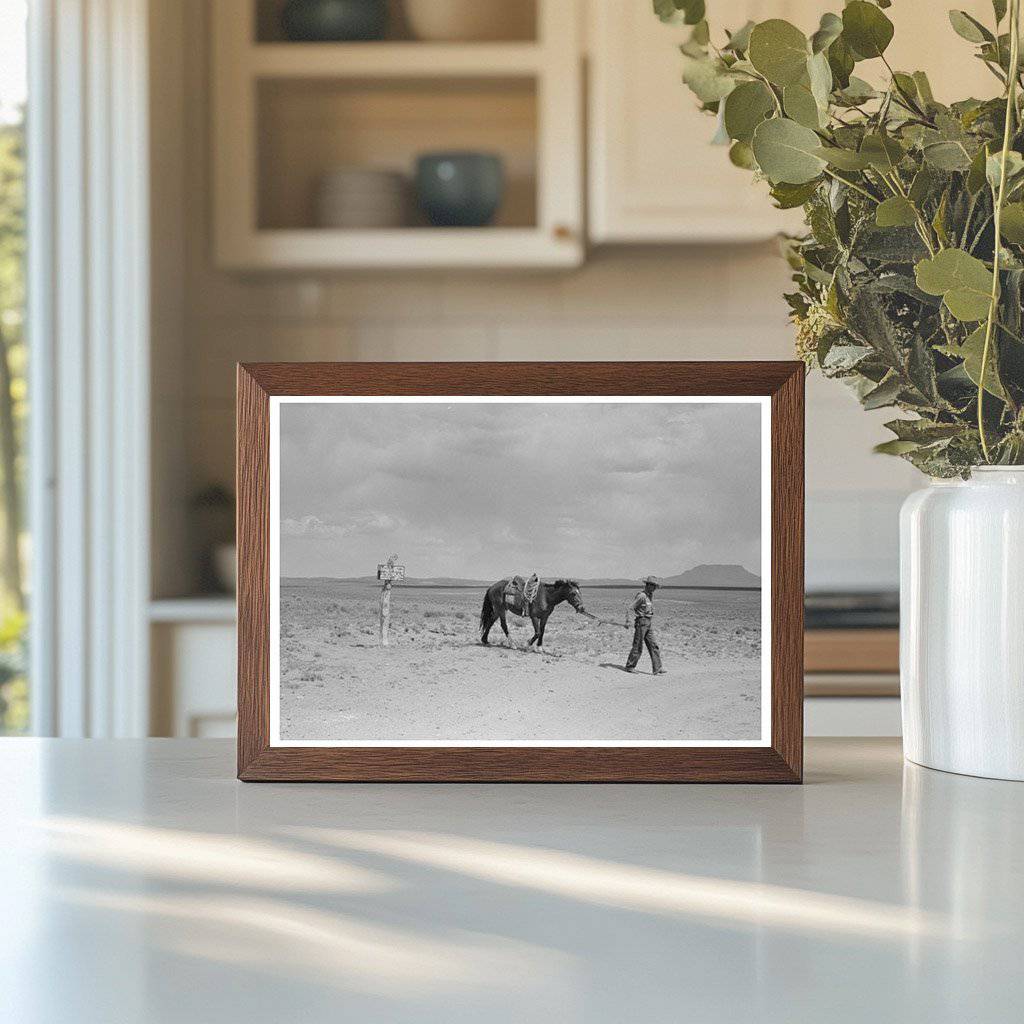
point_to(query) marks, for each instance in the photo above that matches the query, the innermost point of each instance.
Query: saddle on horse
(520, 592)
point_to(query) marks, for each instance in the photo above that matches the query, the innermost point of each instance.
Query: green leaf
(844, 159)
(885, 394)
(895, 212)
(739, 41)
(866, 29)
(693, 10)
(787, 152)
(779, 51)
(883, 152)
(801, 106)
(971, 352)
(868, 318)
(707, 78)
(843, 358)
(947, 156)
(666, 10)
(924, 88)
(993, 167)
(788, 197)
(895, 447)
(1012, 224)
(690, 12)
(905, 84)
(999, 9)
(963, 281)
(969, 28)
(939, 220)
(741, 155)
(829, 30)
(922, 185)
(976, 173)
(721, 136)
(921, 370)
(701, 34)
(745, 108)
(840, 61)
(889, 245)
(857, 91)
(819, 74)
(923, 431)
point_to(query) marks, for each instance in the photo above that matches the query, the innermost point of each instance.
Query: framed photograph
(520, 571)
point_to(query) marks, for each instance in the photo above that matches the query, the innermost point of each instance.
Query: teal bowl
(460, 189)
(334, 21)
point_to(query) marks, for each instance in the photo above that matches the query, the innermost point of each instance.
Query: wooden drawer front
(852, 650)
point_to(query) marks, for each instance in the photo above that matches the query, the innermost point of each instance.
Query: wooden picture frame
(780, 759)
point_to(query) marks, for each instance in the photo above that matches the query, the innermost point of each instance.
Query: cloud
(477, 490)
(359, 522)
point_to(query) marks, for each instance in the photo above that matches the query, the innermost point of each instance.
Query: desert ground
(437, 682)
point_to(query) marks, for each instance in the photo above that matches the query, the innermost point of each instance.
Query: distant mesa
(698, 576)
(713, 576)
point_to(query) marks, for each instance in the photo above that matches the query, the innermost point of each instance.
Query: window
(14, 690)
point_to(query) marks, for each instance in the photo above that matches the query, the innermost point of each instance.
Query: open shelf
(406, 248)
(520, 22)
(309, 127)
(388, 60)
(286, 114)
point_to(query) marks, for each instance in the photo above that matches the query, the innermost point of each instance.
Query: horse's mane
(565, 583)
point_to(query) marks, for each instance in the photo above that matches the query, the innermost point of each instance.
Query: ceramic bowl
(470, 20)
(333, 21)
(460, 189)
(359, 197)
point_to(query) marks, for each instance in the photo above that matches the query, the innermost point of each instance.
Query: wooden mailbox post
(387, 573)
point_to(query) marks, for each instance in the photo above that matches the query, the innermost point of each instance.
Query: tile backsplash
(708, 303)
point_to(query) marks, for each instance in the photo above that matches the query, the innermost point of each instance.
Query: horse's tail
(485, 612)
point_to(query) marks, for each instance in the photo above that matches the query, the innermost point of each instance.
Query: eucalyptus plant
(910, 277)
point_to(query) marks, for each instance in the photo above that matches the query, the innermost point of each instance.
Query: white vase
(962, 624)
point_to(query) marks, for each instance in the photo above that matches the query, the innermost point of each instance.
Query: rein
(603, 622)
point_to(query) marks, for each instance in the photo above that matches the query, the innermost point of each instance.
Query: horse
(548, 596)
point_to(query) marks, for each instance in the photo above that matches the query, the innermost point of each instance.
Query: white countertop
(140, 882)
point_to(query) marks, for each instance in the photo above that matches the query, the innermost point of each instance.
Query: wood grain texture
(253, 533)
(780, 762)
(788, 568)
(852, 650)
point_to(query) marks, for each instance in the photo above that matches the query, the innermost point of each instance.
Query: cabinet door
(654, 176)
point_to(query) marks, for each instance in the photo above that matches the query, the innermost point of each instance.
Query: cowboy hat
(652, 580)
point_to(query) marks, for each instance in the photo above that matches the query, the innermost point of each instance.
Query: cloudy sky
(483, 490)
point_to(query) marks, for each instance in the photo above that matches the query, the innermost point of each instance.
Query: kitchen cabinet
(653, 177)
(287, 114)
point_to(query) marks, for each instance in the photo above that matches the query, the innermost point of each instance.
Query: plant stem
(910, 102)
(771, 91)
(1011, 108)
(853, 185)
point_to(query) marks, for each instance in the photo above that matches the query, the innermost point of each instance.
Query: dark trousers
(642, 635)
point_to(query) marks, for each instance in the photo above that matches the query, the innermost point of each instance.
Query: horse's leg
(485, 626)
(538, 631)
(504, 625)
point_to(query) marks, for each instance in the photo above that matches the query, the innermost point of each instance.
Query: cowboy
(642, 612)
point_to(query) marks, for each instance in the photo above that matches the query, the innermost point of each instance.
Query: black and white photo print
(519, 571)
